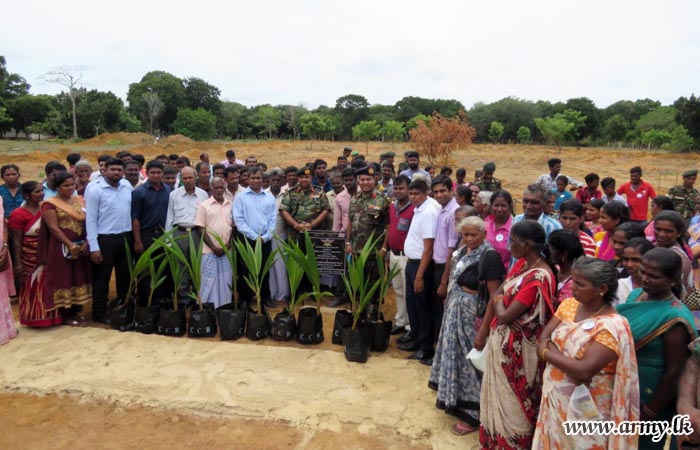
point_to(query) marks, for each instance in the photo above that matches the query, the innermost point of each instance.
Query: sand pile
(306, 388)
(176, 139)
(117, 139)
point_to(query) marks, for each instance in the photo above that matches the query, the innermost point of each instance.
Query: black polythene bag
(172, 323)
(356, 343)
(121, 315)
(202, 322)
(379, 333)
(284, 326)
(310, 327)
(257, 327)
(231, 321)
(146, 318)
(343, 319)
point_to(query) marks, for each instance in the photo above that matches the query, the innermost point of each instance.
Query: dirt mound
(117, 139)
(176, 139)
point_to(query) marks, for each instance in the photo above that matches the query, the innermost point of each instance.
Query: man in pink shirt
(340, 224)
(638, 192)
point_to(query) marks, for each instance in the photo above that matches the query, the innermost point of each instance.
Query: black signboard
(330, 251)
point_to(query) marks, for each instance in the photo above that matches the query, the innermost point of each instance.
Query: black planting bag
(379, 332)
(172, 323)
(310, 328)
(284, 326)
(258, 326)
(202, 322)
(231, 322)
(146, 318)
(121, 315)
(343, 319)
(356, 343)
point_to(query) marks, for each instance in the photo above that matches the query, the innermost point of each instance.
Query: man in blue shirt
(51, 168)
(255, 215)
(149, 209)
(108, 224)
(534, 201)
(413, 161)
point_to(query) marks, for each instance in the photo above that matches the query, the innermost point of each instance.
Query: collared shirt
(11, 202)
(150, 206)
(255, 214)
(638, 198)
(411, 173)
(617, 197)
(342, 208)
(684, 200)
(216, 219)
(108, 210)
(386, 188)
(550, 183)
(446, 234)
(48, 192)
(498, 237)
(182, 207)
(493, 185)
(548, 223)
(226, 163)
(368, 214)
(399, 223)
(327, 186)
(231, 195)
(585, 196)
(423, 226)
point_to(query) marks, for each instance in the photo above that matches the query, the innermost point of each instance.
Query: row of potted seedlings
(360, 329)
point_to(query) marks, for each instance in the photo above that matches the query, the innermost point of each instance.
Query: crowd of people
(586, 292)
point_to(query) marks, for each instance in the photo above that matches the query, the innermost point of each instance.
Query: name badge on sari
(588, 325)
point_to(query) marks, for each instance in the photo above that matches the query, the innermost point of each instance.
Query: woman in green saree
(662, 327)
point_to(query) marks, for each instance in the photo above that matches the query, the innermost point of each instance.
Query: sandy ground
(313, 396)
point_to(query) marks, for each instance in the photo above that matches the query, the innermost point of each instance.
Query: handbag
(692, 300)
(66, 251)
(483, 297)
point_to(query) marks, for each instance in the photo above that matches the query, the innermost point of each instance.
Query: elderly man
(255, 213)
(214, 219)
(182, 210)
(534, 202)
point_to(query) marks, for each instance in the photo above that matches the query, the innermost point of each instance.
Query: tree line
(163, 103)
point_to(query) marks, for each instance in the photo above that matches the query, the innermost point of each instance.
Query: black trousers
(246, 293)
(420, 306)
(438, 307)
(148, 236)
(113, 248)
(184, 243)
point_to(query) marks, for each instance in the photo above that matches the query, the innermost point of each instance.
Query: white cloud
(313, 52)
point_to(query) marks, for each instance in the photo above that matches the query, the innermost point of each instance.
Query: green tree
(291, 119)
(554, 129)
(591, 123)
(128, 122)
(577, 119)
(12, 85)
(232, 120)
(616, 128)
(313, 125)
(524, 135)
(689, 116)
(366, 131)
(662, 118)
(681, 141)
(267, 119)
(409, 107)
(97, 112)
(656, 138)
(198, 124)
(350, 109)
(393, 130)
(512, 112)
(381, 113)
(5, 121)
(496, 131)
(200, 94)
(413, 121)
(30, 109)
(171, 93)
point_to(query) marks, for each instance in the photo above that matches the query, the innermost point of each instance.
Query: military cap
(304, 171)
(347, 149)
(411, 154)
(490, 167)
(366, 170)
(387, 155)
(355, 153)
(690, 173)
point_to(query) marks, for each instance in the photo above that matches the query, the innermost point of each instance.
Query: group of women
(575, 316)
(49, 256)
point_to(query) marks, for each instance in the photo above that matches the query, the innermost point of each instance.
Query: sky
(311, 52)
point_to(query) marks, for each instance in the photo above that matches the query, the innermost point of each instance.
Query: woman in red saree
(24, 224)
(512, 385)
(64, 261)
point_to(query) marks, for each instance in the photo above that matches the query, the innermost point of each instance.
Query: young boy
(561, 192)
(591, 191)
(609, 194)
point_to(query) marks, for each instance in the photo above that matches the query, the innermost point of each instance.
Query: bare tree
(69, 77)
(154, 108)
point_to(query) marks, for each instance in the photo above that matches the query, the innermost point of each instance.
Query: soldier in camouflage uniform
(488, 182)
(685, 197)
(368, 213)
(304, 207)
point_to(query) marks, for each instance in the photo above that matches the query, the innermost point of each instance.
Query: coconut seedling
(258, 267)
(359, 287)
(309, 264)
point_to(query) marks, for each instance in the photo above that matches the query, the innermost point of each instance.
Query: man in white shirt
(420, 298)
(182, 210)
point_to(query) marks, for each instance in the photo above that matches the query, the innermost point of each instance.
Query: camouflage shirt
(367, 214)
(491, 186)
(684, 200)
(304, 206)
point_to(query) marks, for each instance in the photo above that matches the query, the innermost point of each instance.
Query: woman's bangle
(648, 411)
(544, 352)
